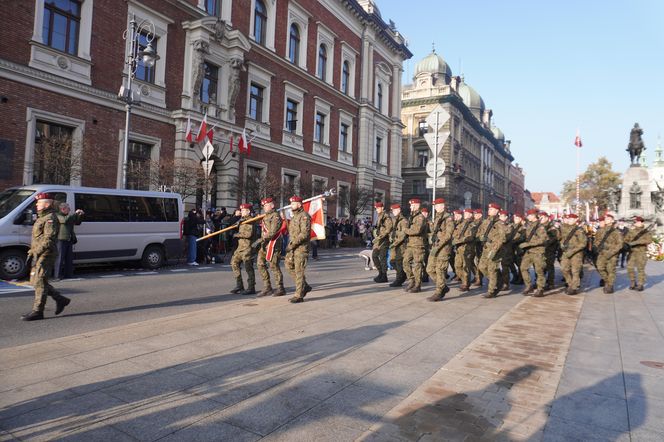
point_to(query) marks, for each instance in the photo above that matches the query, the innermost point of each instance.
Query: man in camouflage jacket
(573, 244)
(398, 244)
(609, 241)
(244, 254)
(637, 239)
(269, 246)
(492, 237)
(381, 241)
(297, 251)
(464, 241)
(415, 249)
(536, 239)
(441, 249)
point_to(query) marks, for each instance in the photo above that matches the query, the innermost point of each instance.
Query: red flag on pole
(577, 140)
(315, 209)
(210, 133)
(187, 133)
(202, 131)
(244, 145)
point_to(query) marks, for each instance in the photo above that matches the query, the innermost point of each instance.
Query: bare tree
(185, 177)
(355, 199)
(253, 188)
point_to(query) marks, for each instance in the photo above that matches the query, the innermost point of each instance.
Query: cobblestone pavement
(355, 361)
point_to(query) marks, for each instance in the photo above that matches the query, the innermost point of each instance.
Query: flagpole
(578, 180)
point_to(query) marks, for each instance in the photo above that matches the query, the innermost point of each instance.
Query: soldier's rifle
(638, 235)
(326, 194)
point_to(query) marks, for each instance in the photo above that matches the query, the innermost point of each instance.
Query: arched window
(260, 22)
(294, 44)
(322, 62)
(345, 77)
(379, 97)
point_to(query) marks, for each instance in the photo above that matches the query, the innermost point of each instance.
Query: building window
(322, 62)
(256, 102)
(62, 19)
(319, 132)
(423, 128)
(211, 7)
(294, 44)
(291, 116)
(342, 200)
(419, 187)
(53, 154)
(289, 186)
(138, 165)
(260, 22)
(379, 97)
(343, 138)
(422, 158)
(379, 147)
(345, 77)
(209, 85)
(144, 72)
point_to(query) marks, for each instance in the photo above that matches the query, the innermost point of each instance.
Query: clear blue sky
(547, 68)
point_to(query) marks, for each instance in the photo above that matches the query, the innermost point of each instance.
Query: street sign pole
(435, 169)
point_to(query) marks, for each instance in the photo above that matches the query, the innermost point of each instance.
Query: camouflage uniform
(271, 230)
(44, 252)
(493, 238)
(381, 244)
(573, 244)
(244, 255)
(517, 253)
(550, 253)
(534, 246)
(297, 251)
(464, 241)
(609, 241)
(637, 239)
(439, 256)
(480, 225)
(507, 255)
(397, 248)
(414, 256)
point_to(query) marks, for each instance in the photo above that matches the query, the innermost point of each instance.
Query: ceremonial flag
(187, 133)
(315, 209)
(577, 140)
(210, 133)
(244, 145)
(202, 131)
(269, 250)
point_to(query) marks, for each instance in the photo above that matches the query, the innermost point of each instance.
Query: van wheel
(12, 264)
(153, 257)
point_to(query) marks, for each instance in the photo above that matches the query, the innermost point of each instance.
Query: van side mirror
(27, 218)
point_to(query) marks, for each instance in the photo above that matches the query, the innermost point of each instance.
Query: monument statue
(635, 196)
(635, 146)
(614, 199)
(236, 67)
(201, 48)
(658, 198)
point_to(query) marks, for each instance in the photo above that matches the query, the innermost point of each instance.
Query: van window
(12, 198)
(125, 208)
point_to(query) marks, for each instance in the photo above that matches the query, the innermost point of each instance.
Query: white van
(118, 225)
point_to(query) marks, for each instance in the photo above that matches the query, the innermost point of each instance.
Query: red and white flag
(187, 133)
(315, 210)
(210, 133)
(577, 140)
(244, 145)
(202, 131)
(269, 250)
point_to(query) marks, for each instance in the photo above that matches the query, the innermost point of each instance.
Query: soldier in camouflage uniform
(609, 241)
(244, 254)
(457, 217)
(573, 243)
(518, 237)
(269, 244)
(477, 253)
(427, 243)
(43, 251)
(493, 237)
(536, 239)
(398, 244)
(297, 251)
(381, 241)
(441, 249)
(507, 251)
(551, 250)
(414, 256)
(463, 240)
(637, 239)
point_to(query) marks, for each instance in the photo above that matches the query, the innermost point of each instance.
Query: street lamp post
(148, 56)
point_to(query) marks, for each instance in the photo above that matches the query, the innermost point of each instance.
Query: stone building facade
(315, 84)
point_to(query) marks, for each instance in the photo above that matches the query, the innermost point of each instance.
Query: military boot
(382, 277)
(438, 296)
(415, 289)
(528, 291)
(608, 289)
(397, 282)
(491, 294)
(539, 293)
(281, 291)
(267, 291)
(239, 286)
(307, 289)
(250, 291)
(505, 287)
(33, 316)
(60, 303)
(409, 286)
(639, 288)
(632, 286)
(296, 299)
(464, 288)
(571, 292)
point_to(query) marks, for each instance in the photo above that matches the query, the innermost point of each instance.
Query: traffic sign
(440, 167)
(440, 183)
(437, 118)
(207, 167)
(208, 150)
(430, 138)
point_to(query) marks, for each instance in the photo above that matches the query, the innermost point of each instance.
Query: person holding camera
(64, 263)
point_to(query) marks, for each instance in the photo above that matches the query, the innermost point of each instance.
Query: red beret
(543, 213)
(458, 212)
(378, 204)
(295, 199)
(532, 212)
(245, 206)
(638, 219)
(572, 215)
(439, 201)
(265, 201)
(395, 206)
(468, 210)
(494, 206)
(518, 215)
(601, 218)
(503, 212)
(44, 196)
(478, 211)
(414, 201)
(425, 209)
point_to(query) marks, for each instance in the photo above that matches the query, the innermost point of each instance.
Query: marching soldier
(574, 242)
(297, 250)
(381, 242)
(477, 254)
(427, 243)
(518, 238)
(414, 256)
(464, 241)
(551, 250)
(441, 249)
(637, 239)
(269, 249)
(43, 251)
(609, 241)
(536, 239)
(398, 244)
(457, 216)
(507, 251)
(243, 254)
(492, 237)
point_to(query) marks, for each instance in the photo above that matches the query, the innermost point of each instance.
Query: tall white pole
(578, 180)
(435, 169)
(130, 73)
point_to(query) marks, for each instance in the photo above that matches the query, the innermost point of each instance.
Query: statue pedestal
(636, 179)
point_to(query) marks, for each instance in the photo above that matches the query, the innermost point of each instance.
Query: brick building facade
(315, 84)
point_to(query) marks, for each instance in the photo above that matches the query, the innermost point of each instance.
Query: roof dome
(498, 134)
(470, 97)
(434, 64)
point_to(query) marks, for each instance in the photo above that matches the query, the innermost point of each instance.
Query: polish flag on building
(202, 131)
(315, 210)
(187, 133)
(577, 140)
(244, 145)
(210, 133)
